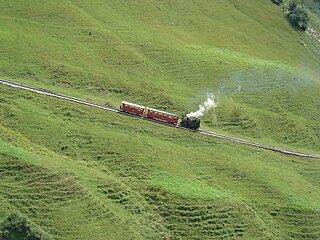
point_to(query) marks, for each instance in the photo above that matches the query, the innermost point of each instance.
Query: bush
(292, 5)
(298, 15)
(19, 227)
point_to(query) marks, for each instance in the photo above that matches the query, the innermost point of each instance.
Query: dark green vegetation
(298, 15)
(72, 172)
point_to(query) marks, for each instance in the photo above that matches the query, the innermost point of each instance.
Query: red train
(149, 112)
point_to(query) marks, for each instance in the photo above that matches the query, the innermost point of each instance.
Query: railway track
(107, 108)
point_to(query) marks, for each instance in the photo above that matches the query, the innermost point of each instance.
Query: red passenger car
(162, 116)
(149, 112)
(132, 108)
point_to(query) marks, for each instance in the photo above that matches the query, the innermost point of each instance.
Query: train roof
(167, 113)
(133, 104)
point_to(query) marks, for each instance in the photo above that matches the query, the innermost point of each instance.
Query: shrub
(19, 227)
(298, 15)
(292, 5)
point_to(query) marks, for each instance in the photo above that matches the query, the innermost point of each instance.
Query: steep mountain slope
(168, 55)
(71, 172)
(81, 173)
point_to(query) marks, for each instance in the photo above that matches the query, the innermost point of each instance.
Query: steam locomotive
(192, 122)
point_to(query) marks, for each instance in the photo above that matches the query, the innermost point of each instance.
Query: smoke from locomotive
(205, 107)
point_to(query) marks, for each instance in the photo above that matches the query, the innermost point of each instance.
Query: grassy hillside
(168, 55)
(71, 172)
(80, 173)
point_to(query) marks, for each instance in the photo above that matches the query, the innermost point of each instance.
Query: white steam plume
(205, 107)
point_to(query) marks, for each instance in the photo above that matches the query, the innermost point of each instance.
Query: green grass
(75, 172)
(153, 181)
(187, 188)
(159, 57)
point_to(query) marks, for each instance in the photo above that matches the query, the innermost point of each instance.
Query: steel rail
(107, 108)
